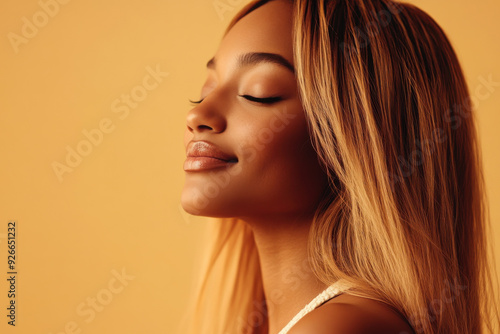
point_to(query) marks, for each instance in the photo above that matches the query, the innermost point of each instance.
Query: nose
(204, 118)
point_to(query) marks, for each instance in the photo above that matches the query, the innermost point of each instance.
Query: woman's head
(251, 111)
(389, 117)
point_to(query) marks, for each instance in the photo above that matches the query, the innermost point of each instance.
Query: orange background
(118, 208)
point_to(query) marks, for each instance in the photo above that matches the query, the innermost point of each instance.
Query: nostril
(204, 127)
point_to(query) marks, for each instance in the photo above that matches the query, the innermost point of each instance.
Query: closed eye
(264, 100)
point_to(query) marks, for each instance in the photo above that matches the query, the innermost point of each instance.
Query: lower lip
(204, 163)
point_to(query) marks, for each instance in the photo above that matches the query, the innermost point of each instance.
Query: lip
(203, 155)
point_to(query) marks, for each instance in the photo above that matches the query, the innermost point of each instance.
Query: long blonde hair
(406, 219)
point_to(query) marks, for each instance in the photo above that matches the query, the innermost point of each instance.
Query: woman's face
(248, 149)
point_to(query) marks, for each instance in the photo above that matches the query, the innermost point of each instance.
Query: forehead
(266, 29)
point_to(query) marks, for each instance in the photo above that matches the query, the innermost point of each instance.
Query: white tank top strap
(330, 292)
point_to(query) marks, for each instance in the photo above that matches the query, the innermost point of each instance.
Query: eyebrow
(254, 58)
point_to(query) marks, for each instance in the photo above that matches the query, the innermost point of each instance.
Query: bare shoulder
(347, 314)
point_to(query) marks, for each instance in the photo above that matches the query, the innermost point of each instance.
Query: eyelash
(263, 100)
(196, 102)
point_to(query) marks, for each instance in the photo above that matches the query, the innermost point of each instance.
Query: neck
(288, 280)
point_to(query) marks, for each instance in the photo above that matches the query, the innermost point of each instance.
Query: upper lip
(209, 150)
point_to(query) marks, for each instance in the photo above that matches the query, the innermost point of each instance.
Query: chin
(194, 203)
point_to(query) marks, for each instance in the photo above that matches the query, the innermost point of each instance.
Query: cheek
(281, 141)
(274, 131)
(280, 166)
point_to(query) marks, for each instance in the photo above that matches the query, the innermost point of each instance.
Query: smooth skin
(277, 182)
